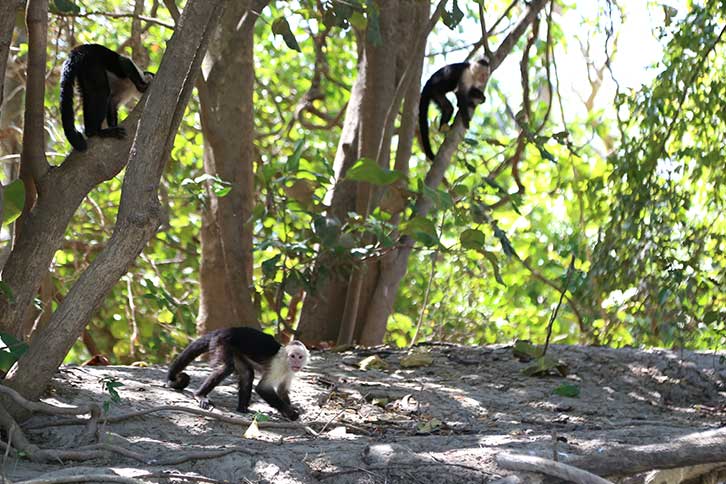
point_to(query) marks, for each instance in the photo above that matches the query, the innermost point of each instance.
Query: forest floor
(452, 420)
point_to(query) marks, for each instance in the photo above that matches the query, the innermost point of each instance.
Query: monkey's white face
(479, 73)
(297, 356)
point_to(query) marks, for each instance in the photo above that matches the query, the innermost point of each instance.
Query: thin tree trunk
(396, 264)
(8, 16)
(323, 307)
(139, 211)
(33, 164)
(228, 126)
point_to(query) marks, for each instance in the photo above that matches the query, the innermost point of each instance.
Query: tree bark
(139, 211)
(8, 11)
(33, 164)
(339, 303)
(323, 307)
(228, 125)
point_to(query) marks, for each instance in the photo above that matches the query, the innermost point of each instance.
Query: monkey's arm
(271, 397)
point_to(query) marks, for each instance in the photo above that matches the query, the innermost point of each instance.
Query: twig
(116, 15)
(570, 271)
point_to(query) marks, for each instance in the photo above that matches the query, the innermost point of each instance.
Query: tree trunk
(8, 17)
(340, 300)
(323, 307)
(395, 264)
(228, 125)
(139, 211)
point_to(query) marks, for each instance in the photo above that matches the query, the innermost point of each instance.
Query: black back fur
(442, 81)
(87, 67)
(252, 343)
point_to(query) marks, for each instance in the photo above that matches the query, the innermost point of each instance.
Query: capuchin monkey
(105, 80)
(244, 350)
(464, 78)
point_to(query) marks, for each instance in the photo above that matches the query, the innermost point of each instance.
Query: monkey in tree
(105, 80)
(466, 79)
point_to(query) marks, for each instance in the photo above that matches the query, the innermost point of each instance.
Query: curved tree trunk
(228, 125)
(139, 211)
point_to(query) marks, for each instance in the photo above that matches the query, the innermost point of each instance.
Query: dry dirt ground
(445, 422)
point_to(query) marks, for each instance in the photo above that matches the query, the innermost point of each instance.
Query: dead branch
(529, 463)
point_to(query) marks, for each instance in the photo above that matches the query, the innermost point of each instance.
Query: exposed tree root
(91, 433)
(548, 467)
(195, 411)
(697, 448)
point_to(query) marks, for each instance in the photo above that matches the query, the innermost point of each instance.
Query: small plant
(109, 384)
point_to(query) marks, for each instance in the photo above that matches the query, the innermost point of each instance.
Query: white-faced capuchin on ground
(244, 350)
(466, 79)
(105, 80)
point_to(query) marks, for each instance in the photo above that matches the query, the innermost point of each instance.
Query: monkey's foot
(115, 132)
(292, 414)
(243, 409)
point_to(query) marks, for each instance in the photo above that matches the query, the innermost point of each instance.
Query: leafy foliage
(637, 200)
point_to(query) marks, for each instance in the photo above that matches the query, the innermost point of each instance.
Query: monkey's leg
(270, 396)
(111, 115)
(95, 101)
(224, 366)
(446, 108)
(245, 375)
(284, 390)
(462, 101)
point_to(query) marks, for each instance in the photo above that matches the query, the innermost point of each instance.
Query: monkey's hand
(205, 403)
(292, 414)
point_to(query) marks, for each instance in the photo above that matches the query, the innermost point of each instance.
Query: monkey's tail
(423, 123)
(175, 377)
(68, 78)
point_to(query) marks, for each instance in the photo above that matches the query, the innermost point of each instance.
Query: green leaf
(440, 198)
(13, 201)
(269, 267)
(711, 316)
(422, 230)
(12, 345)
(472, 239)
(524, 350)
(546, 365)
(452, 19)
(373, 30)
(495, 265)
(568, 390)
(281, 27)
(7, 291)
(293, 162)
(65, 6)
(367, 170)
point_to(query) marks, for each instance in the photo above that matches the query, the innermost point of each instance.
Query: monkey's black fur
(238, 350)
(105, 80)
(449, 78)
